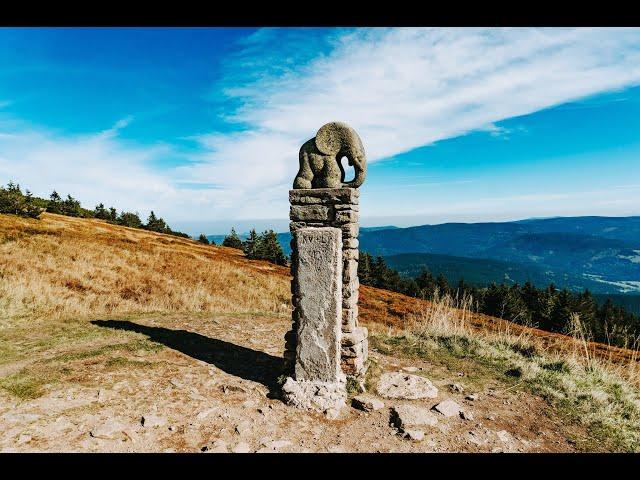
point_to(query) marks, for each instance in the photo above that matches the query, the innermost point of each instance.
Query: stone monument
(325, 346)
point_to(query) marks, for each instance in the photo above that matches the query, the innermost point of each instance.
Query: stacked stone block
(337, 208)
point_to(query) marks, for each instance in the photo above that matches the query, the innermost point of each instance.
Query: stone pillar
(323, 209)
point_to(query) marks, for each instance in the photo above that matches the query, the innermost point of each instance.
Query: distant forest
(14, 201)
(548, 308)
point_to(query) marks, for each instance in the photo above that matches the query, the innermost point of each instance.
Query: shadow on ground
(233, 359)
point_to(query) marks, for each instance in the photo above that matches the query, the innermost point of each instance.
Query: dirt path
(208, 389)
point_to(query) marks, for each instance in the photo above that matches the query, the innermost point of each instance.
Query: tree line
(549, 308)
(264, 246)
(14, 201)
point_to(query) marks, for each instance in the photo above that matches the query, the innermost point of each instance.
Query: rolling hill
(121, 339)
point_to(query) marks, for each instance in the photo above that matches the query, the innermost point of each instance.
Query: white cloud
(404, 88)
(399, 88)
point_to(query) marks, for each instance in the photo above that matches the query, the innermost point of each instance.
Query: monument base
(325, 397)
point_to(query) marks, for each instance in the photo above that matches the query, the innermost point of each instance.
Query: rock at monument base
(406, 386)
(366, 403)
(314, 395)
(448, 408)
(408, 416)
(417, 435)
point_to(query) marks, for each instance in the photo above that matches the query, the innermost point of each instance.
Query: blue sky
(203, 125)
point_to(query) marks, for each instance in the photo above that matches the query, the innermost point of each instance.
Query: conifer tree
(232, 240)
(203, 239)
(55, 203)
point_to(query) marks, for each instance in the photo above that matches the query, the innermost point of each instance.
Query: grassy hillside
(70, 288)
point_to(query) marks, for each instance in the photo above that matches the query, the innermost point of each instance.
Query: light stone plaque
(318, 283)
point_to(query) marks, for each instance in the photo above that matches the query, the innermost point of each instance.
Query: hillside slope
(102, 326)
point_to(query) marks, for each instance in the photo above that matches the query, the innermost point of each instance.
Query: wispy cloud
(399, 88)
(405, 88)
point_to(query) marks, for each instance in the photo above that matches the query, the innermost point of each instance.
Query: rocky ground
(209, 387)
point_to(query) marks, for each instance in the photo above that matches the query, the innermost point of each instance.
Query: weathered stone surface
(150, 421)
(368, 403)
(318, 157)
(347, 206)
(405, 385)
(326, 196)
(408, 416)
(351, 243)
(350, 271)
(319, 270)
(302, 213)
(346, 216)
(448, 408)
(355, 337)
(241, 447)
(350, 253)
(350, 302)
(293, 226)
(416, 435)
(314, 395)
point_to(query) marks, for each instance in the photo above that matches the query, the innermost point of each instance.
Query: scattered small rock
(405, 386)
(456, 387)
(243, 427)
(335, 449)
(332, 413)
(466, 415)
(150, 421)
(276, 444)
(241, 448)
(491, 417)
(110, 430)
(472, 397)
(417, 435)
(232, 388)
(24, 438)
(407, 416)
(219, 446)
(205, 413)
(504, 436)
(367, 403)
(448, 408)
(410, 369)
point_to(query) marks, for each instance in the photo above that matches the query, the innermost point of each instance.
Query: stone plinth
(319, 209)
(317, 287)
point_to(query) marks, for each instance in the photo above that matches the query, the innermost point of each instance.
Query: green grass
(23, 386)
(597, 399)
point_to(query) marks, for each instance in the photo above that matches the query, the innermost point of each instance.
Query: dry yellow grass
(61, 268)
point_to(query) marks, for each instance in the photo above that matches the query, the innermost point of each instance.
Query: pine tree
(270, 248)
(203, 239)
(364, 268)
(232, 240)
(55, 203)
(113, 215)
(71, 207)
(442, 285)
(128, 219)
(101, 212)
(427, 284)
(156, 224)
(250, 245)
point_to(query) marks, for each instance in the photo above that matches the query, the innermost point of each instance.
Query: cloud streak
(399, 88)
(405, 88)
